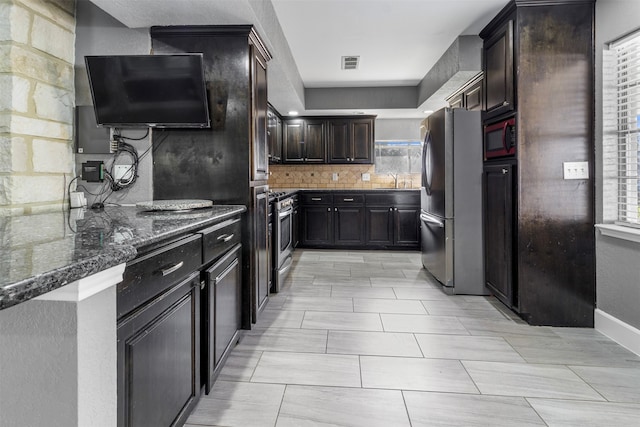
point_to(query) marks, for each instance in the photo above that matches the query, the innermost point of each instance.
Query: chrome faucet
(395, 179)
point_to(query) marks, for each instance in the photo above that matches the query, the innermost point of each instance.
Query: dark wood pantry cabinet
(539, 71)
(227, 163)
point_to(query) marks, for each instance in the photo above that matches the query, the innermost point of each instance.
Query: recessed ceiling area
(398, 43)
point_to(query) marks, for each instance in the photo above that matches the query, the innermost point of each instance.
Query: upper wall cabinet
(304, 141)
(350, 140)
(274, 136)
(470, 95)
(346, 140)
(500, 91)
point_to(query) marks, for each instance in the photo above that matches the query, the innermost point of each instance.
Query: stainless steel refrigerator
(451, 201)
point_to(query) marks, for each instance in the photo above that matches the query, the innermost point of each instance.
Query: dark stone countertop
(43, 252)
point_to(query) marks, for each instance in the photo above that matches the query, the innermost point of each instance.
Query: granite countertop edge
(34, 286)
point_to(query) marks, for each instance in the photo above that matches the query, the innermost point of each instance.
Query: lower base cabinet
(222, 296)
(159, 358)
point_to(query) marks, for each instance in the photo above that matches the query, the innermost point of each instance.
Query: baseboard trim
(619, 331)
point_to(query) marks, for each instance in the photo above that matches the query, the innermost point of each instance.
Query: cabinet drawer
(219, 238)
(348, 199)
(316, 198)
(394, 198)
(153, 273)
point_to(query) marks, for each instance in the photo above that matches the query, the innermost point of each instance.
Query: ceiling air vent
(350, 62)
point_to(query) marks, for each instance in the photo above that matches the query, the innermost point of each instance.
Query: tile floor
(364, 338)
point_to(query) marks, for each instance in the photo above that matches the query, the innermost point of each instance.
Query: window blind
(628, 129)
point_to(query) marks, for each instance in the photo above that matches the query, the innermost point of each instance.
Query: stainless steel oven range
(282, 243)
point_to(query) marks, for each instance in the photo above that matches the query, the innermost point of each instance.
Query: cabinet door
(227, 282)
(338, 140)
(159, 358)
(274, 137)
(361, 141)
(260, 250)
(457, 101)
(315, 150)
(379, 226)
(316, 225)
(407, 226)
(473, 97)
(349, 225)
(259, 146)
(499, 78)
(498, 230)
(292, 142)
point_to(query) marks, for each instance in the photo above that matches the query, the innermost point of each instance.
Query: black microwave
(500, 139)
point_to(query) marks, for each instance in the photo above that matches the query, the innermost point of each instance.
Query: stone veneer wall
(37, 40)
(349, 176)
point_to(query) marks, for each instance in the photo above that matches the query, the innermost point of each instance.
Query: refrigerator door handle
(430, 219)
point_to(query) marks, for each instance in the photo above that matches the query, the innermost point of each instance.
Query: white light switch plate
(335, 176)
(366, 177)
(576, 170)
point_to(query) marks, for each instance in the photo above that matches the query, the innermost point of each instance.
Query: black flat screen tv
(165, 91)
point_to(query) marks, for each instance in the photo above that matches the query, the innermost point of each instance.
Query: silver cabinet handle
(505, 171)
(173, 268)
(226, 237)
(316, 199)
(328, 209)
(335, 209)
(347, 200)
(390, 209)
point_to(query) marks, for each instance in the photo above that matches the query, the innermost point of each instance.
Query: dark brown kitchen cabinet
(348, 219)
(274, 136)
(350, 140)
(316, 225)
(222, 314)
(469, 96)
(259, 147)
(498, 189)
(500, 89)
(261, 253)
(304, 141)
(539, 62)
(158, 336)
(226, 162)
(392, 226)
(406, 226)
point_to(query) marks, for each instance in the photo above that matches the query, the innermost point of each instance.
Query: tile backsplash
(349, 176)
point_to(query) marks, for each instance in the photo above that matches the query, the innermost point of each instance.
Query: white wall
(617, 272)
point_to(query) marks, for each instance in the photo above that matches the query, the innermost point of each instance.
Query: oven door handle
(285, 213)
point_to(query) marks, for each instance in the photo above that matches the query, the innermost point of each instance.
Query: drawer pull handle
(173, 268)
(316, 199)
(226, 237)
(348, 200)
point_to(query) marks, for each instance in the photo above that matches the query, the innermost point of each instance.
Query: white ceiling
(398, 41)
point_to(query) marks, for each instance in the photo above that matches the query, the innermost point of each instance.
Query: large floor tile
(318, 304)
(308, 369)
(423, 324)
(377, 273)
(240, 365)
(280, 319)
(420, 293)
(519, 379)
(474, 314)
(361, 292)
(403, 373)
(392, 306)
(342, 321)
(555, 350)
(401, 282)
(373, 343)
(284, 339)
(239, 404)
(571, 413)
(342, 281)
(463, 347)
(427, 409)
(503, 328)
(615, 384)
(341, 407)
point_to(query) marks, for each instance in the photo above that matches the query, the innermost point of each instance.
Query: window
(398, 157)
(627, 93)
